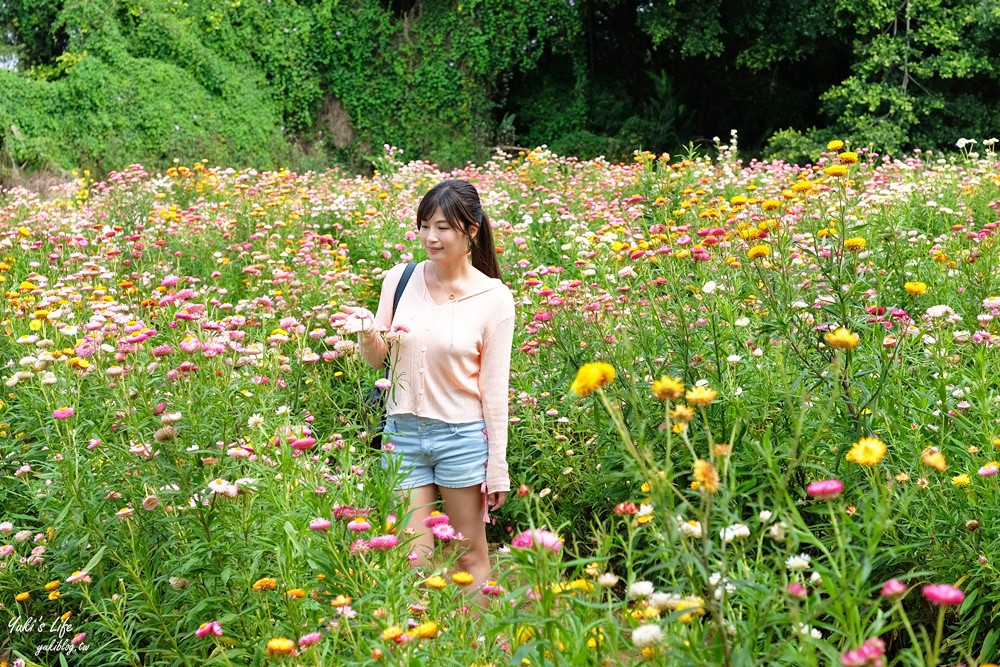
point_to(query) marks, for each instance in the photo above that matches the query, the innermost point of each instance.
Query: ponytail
(484, 253)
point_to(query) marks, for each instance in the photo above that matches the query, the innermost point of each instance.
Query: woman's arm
(494, 384)
(372, 340)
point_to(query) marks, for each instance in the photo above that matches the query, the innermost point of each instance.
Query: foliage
(182, 414)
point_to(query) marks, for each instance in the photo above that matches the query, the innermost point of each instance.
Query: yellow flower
(592, 376)
(265, 584)
(848, 158)
(21, 597)
(802, 186)
(341, 601)
(867, 451)
(54, 595)
(836, 170)
(759, 251)
(695, 604)
(682, 414)
(427, 630)
(700, 395)
(855, 244)
(295, 593)
(437, 582)
(771, 205)
(842, 339)
(462, 578)
(960, 480)
(575, 585)
(650, 652)
(933, 458)
(280, 646)
(668, 388)
(915, 287)
(52, 585)
(705, 476)
(835, 145)
(391, 633)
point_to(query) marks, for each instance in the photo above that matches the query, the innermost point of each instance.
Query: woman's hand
(497, 499)
(359, 320)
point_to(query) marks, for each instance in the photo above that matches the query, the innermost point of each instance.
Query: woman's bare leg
(465, 509)
(419, 502)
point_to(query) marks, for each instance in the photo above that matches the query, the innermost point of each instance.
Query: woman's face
(442, 241)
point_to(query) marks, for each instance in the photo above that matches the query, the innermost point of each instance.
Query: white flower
(730, 533)
(690, 528)
(742, 322)
(650, 634)
(815, 578)
(640, 589)
(939, 311)
(661, 601)
(644, 510)
(734, 359)
(765, 516)
(709, 287)
(777, 531)
(809, 630)
(608, 580)
(797, 563)
(255, 421)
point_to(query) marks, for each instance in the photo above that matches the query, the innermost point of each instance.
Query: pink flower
(825, 489)
(81, 576)
(892, 588)
(869, 654)
(320, 524)
(358, 546)
(537, 538)
(78, 638)
(150, 503)
(436, 520)
(492, 589)
(989, 470)
(63, 413)
(210, 628)
(6, 550)
(359, 525)
(383, 542)
(309, 639)
(383, 383)
(797, 590)
(943, 595)
(445, 532)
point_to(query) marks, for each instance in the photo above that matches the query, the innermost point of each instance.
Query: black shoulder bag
(375, 400)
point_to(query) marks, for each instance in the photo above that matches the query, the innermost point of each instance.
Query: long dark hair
(459, 204)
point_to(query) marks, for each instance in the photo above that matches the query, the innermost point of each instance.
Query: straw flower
(867, 451)
(700, 395)
(668, 388)
(591, 377)
(915, 287)
(842, 339)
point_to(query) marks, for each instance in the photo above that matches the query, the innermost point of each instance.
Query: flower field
(754, 417)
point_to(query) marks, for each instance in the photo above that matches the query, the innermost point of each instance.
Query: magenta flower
(989, 469)
(63, 413)
(537, 538)
(943, 595)
(78, 638)
(492, 589)
(445, 532)
(309, 639)
(892, 588)
(209, 628)
(868, 654)
(359, 525)
(320, 524)
(797, 590)
(436, 520)
(825, 489)
(383, 542)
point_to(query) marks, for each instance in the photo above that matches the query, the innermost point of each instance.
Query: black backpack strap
(400, 287)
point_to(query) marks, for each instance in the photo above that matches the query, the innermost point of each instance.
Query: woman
(450, 371)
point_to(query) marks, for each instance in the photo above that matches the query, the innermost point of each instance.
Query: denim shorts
(431, 451)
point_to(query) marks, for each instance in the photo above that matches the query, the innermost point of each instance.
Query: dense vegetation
(753, 408)
(103, 83)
